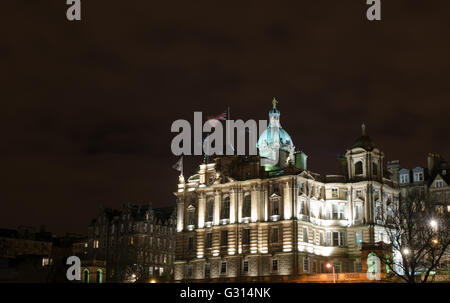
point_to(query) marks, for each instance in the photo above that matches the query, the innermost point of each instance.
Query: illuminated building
(240, 221)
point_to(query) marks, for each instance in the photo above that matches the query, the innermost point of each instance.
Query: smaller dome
(364, 141)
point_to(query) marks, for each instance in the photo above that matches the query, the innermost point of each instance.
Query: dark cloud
(87, 107)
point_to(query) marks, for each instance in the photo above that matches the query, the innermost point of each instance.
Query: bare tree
(418, 231)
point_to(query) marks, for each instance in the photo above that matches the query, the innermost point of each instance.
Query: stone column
(201, 210)
(287, 201)
(240, 199)
(255, 203)
(217, 200)
(232, 206)
(180, 214)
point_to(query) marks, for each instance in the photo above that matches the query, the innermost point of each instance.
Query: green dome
(284, 137)
(364, 141)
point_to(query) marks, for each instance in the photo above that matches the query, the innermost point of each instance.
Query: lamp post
(334, 274)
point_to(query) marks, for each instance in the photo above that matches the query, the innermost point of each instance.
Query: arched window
(375, 168)
(209, 210)
(86, 275)
(225, 214)
(246, 210)
(359, 168)
(191, 218)
(99, 276)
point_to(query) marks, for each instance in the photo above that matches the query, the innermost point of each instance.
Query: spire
(363, 129)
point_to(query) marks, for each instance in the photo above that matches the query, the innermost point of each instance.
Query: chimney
(393, 167)
(433, 162)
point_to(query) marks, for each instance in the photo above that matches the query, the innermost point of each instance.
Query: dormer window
(439, 183)
(418, 177)
(404, 179)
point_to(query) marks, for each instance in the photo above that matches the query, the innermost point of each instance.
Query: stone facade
(240, 221)
(137, 243)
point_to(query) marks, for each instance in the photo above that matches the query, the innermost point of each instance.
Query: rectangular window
(275, 265)
(223, 268)
(328, 238)
(208, 240)
(358, 211)
(342, 239)
(276, 210)
(358, 238)
(321, 239)
(305, 234)
(305, 264)
(341, 212)
(335, 239)
(335, 212)
(246, 236)
(337, 268)
(404, 179)
(224, 238)
(275, 235)
(358, 266)
(189, 273)
(334, 193)
(245, 266)
(418, 177)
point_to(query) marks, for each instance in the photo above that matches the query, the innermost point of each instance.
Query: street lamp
(406, 251)
(329, 265)
(433, 223)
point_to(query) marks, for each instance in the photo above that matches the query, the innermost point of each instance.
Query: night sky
(87, 106)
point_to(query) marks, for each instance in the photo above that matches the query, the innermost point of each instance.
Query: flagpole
(228, 130)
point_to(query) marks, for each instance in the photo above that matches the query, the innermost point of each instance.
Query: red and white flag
(214, 120)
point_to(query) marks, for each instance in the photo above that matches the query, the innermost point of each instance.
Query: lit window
(45, 261)
(305, 264)
(358, 238)
(95, 243)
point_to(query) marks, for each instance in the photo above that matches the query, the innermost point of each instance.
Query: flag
(179, 165)
(214, 120)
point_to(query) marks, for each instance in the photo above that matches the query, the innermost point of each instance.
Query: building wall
(302, 202)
